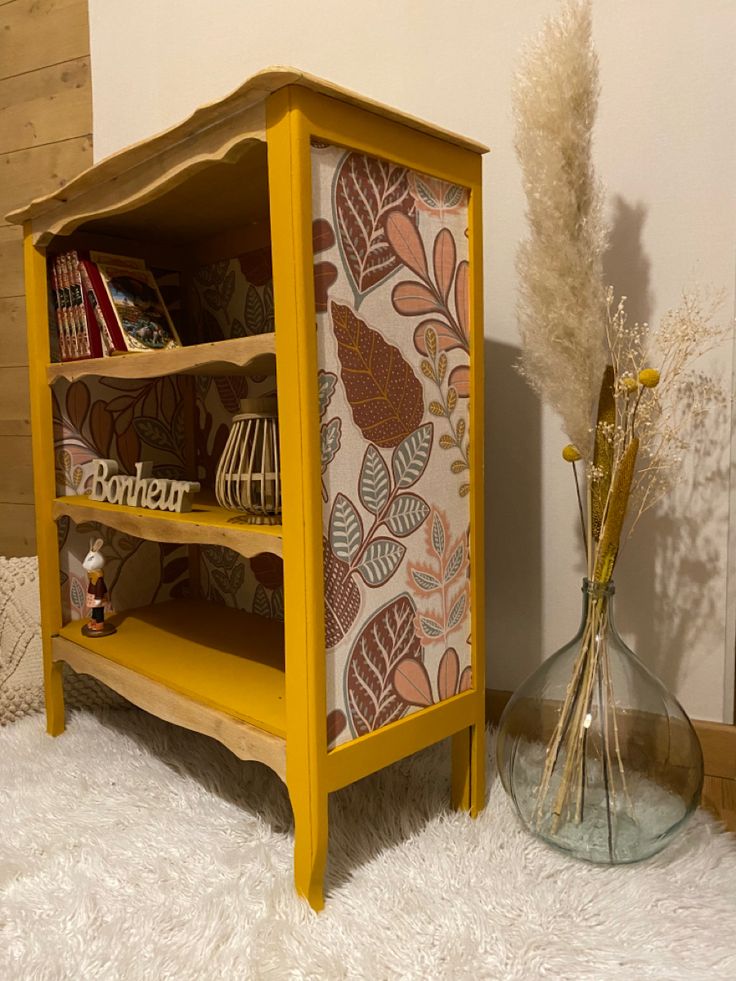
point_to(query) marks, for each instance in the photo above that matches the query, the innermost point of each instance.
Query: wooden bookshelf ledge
(205, 524)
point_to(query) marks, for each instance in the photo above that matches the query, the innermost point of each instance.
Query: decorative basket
(248, 476)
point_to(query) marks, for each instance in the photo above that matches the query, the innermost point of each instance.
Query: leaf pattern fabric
(391, 284)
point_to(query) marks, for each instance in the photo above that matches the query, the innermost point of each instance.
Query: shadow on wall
(513, 482)
(667, 603)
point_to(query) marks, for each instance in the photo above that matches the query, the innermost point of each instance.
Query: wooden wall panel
(38, 170)
(11, 261)
(13, 343)
(45, 139)
(38, 33)
(16, 482)
(14, 399)
(17, 522)
(47, 105)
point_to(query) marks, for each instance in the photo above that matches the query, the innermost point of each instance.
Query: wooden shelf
(225, 659)
(254, 354)
(205, 524)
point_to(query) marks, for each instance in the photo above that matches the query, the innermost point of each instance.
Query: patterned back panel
(391, 285)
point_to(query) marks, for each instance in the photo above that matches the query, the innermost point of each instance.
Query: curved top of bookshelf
(221, 129)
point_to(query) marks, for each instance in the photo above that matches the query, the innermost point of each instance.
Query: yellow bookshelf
(370, 221)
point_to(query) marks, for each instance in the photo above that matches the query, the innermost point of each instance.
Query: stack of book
(107, 304)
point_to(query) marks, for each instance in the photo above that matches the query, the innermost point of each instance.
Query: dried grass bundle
(561, 306)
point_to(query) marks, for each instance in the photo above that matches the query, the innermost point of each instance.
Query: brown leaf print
(325, 273)
(412, 299)
(406, 242)
(385, 395)
(367, 190)
(412, 683)
(101, 428)
(447, 338)
(323, 237)
(462, 296)
(466, 679)
(77, 404)
(443, 256)
(460, 380)
(256, 266)
(336, 723)
(129, 448)
(385, 640)
(268, 570)
(342, 597)
(448, 673)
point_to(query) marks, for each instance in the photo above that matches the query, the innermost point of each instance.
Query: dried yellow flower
(571, 453)
(649, 377)
(629, 383)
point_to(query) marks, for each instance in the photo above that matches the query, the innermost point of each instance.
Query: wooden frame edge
(245, 741)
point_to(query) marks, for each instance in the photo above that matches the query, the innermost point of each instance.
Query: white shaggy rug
(131, 850)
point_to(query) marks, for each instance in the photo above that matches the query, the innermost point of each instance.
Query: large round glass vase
(599, 759)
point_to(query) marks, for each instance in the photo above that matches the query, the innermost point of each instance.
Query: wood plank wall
(45, 139)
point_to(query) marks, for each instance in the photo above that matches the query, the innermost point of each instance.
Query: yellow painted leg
(468, 769)
(54, 694)
(310, 844)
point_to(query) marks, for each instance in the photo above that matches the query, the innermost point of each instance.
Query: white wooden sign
(141, 490)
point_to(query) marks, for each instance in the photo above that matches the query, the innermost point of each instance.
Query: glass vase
(599, 759)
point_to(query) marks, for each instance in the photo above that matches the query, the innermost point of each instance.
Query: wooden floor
(45, 139)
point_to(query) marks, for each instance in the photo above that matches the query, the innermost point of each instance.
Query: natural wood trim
(253, 354)
(246, 741)
(207, 524)
(719, 748)
(717, 739)
(144, 172)
(144, 169)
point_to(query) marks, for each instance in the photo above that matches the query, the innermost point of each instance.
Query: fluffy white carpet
(134, 850)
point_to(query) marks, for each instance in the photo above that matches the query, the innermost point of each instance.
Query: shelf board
(232, 356)
(224, 659)
(205, 524)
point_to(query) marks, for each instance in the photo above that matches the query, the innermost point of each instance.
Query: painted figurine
(97, 595)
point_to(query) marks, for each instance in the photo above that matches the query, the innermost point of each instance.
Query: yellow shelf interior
(224, 658)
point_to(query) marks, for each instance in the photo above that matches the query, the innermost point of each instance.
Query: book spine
(83, 330)
(77, 326)
(58, 310)
(114, 332)
(93, 311)
(66, 317)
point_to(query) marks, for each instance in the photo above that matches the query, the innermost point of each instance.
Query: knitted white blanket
(21, 664)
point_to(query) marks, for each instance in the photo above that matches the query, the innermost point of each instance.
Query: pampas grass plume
(561, 306)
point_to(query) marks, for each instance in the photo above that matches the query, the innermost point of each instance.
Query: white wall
(666, 150)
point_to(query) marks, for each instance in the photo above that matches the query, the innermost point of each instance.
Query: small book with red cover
(94, 312)
(133, 307)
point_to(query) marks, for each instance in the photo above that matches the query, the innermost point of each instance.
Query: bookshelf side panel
(392, 291)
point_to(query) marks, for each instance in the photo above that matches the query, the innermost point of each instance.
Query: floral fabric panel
(126, 421)
(391, 286)
(233, 297)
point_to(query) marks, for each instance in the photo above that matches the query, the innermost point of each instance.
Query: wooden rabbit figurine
(97, 595)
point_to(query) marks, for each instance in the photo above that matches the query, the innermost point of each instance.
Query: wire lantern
(248, 477)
